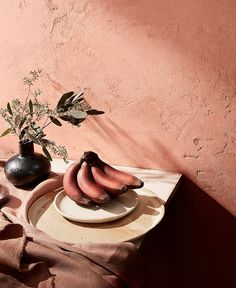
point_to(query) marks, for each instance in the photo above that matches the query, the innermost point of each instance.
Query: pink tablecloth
(30, 258)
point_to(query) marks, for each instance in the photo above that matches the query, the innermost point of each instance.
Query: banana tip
(137, 186)
(141, 184)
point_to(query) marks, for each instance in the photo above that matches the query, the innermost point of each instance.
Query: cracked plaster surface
(164, 74)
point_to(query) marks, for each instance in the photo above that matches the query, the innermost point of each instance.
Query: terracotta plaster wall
(164, 72)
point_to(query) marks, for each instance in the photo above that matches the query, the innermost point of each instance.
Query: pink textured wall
(163, 71)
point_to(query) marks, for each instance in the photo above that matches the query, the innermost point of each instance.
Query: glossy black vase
(27, 168)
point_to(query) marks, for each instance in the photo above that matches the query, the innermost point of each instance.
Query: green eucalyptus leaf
(69, 100)
(81, 120)
(94, 112)
(9, 108)
(47, 154)
(45, 141)
(33, 138)
(22, 134)
(7, 131)
(78, 97)
(77, 114)
(63, 98)
(55, 121)
(18, 120)
(22, 122)
(64, 117)
(31, 107)
(75, 98)
(66, 107)
(75, 121)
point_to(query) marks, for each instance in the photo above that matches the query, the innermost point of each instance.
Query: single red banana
(89, 187)
(113, 186)
(71, 187)
(130, 180)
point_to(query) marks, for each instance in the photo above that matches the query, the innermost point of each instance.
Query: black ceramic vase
(27, 168)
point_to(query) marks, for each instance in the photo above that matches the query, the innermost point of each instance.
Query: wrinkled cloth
(31, 258)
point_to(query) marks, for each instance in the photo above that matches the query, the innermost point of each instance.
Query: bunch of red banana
(91, 180)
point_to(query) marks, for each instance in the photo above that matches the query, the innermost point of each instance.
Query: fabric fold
(15, 271)
(56, 263)
(12, 239)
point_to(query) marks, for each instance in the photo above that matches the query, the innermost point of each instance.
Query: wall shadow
(134, 151)
(193, 246)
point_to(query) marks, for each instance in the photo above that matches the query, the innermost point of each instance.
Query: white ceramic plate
(100, 213)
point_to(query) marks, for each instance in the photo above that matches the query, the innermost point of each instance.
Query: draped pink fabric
(30, 258)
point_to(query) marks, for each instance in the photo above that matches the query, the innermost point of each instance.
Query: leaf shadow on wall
(193, 246)
(136, 153)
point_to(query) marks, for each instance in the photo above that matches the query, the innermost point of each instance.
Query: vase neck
(26, 149)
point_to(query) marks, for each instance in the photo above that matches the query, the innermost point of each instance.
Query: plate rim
(62, 192)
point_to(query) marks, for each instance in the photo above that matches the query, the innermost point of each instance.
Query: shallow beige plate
(147, 214)
(115, 209)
